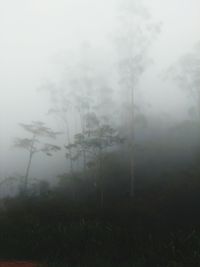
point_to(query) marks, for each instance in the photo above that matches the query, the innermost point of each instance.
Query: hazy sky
(180, 32)
(36, 37)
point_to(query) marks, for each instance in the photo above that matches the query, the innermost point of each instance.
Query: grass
(74, 236)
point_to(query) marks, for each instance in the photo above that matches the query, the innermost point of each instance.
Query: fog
(40, 40)
(100, 133)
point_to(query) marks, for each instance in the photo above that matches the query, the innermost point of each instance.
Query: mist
(99, 113)
(39, 40)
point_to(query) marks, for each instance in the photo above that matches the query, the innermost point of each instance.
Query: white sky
(36, 35)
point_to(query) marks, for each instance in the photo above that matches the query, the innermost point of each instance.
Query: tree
(186, 72)
(71, 99)
(61, 108)
(135, 34)
(33, 145)
(95, 141)
(83, 89)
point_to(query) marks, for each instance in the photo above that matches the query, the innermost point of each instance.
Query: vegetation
(33, 145)
(67, 225)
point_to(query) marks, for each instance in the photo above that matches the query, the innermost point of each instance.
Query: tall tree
(135, 34)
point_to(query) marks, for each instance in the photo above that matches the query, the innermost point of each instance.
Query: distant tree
(34, 145)
(186, 72)
(9, 186)
(71, 100)
(135, 33)
(95, 141)
(61, 109)
(83, 90)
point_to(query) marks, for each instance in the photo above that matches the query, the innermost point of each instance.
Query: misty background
(41, 41)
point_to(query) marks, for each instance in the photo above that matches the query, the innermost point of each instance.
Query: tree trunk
(69, 142)
(29, 164)
(132, 165)
(83, 132)
(101, 187)
(27, 172)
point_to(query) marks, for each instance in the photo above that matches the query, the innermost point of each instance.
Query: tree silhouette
(95, 141)
(135, 33)
(186, 72)
(33, 145)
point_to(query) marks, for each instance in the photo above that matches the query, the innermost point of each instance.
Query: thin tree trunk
(132, 165)
(69, 141)
(83, 132)
(29, 164)
(101, 181)
(27, 172)
(64, 118)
